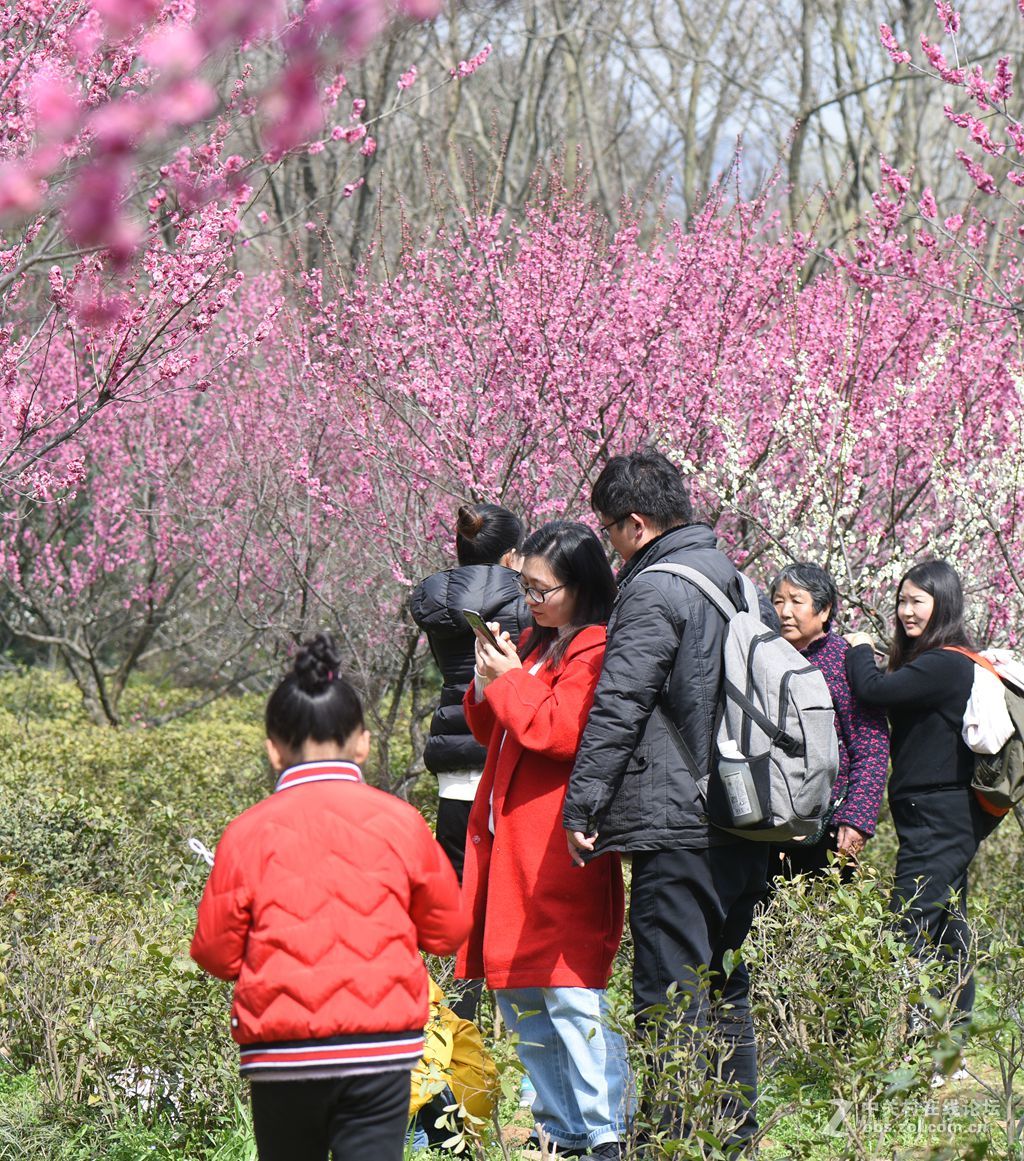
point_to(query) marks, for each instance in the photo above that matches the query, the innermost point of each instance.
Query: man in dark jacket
(694, 888)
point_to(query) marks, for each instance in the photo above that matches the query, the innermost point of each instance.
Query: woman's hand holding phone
(491, 661)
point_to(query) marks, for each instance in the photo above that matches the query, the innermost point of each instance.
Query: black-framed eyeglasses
(532, 593)
(611, 524)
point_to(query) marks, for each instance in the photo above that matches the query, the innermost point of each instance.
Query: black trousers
(939, 832)
(452, 821)
(354, 1118)
(687, 909)
(800, 859)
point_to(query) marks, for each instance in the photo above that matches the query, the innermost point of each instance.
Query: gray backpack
(777, 750)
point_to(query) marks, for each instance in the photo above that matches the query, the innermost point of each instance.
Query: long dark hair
(313, 701)
(485, 532)
(946, 624)
(578, 561)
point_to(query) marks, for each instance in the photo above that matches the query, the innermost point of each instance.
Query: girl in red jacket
(545, 931)
(319, 899)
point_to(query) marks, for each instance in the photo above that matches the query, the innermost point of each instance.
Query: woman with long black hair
(938, 819)
(544, 931)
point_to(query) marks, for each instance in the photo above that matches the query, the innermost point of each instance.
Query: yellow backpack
(455, 1056)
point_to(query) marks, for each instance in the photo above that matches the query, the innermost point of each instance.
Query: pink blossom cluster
(949, 16)
(466, 68)
(891, 45)
(990, 96)
(937, 59)
(1001, 89)
(978, 130)
(85, 91)
(982, 179)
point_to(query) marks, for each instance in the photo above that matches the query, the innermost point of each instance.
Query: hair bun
(317, 663)
(469, 522)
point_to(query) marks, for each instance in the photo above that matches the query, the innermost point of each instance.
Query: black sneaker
(531, 1149)
(611, 1150)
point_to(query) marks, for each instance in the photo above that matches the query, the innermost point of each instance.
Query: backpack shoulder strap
(750, 595)
(708, 587)
(975, 657)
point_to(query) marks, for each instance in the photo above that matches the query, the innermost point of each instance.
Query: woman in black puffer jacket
(486, 539)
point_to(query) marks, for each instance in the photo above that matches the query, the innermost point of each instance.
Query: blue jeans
(423, 1132)
(577, 1064)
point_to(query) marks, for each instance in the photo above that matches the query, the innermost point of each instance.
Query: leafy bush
(101, 1006)
(66, 841)
(113, 1045)
(112, 810)
(852, 1026)
(830, 975)
(110, 1012)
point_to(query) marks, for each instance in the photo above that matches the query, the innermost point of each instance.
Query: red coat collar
(589, 637)
(326, 771)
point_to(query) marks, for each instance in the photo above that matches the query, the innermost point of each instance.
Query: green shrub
(66, 841)
(107, 1028)
(109, 1014)
(112, 810)
(829, 974)
(40, 694)
(113, 1045)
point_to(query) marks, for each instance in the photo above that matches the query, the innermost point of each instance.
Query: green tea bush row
(101, 1008)
(113, 1044)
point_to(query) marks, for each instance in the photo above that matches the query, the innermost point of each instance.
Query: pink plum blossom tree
(202, 461)
(121, 201)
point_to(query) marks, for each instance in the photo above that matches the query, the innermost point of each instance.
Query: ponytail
(485, 532)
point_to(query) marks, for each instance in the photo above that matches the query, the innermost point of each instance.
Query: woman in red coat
(545, 931)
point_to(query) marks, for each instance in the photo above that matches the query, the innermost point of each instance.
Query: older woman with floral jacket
(806, 599)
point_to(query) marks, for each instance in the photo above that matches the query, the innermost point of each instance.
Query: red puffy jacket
(317, 904)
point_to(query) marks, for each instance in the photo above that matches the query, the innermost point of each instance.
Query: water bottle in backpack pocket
(741, 792)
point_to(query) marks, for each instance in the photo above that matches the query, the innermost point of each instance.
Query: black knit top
(925, 700)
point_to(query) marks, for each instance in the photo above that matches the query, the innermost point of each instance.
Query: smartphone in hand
(479, 627)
